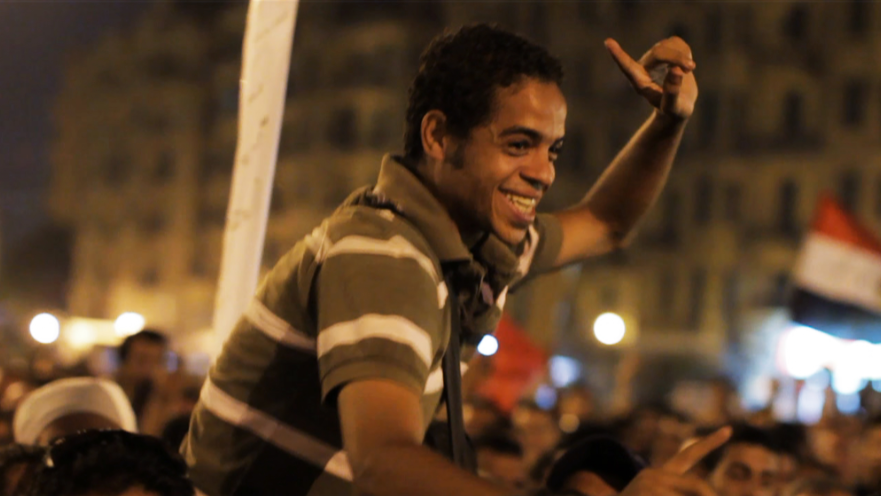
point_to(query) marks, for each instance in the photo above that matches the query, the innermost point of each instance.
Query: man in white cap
(67, 406)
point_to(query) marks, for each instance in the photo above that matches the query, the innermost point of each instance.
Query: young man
(333, 374)
(748, 465)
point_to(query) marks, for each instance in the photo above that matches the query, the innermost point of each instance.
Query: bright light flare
(45, 328)
(488, 346)
(609, 328)
(129, 323)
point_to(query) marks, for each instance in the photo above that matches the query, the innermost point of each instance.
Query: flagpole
(269, 34)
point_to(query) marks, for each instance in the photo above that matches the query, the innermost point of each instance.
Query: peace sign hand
(676, 95)
(672, 479)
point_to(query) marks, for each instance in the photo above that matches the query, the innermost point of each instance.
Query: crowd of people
(121, 435)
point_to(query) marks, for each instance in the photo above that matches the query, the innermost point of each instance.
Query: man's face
(495, 179)
(144, 358)
(746, 470)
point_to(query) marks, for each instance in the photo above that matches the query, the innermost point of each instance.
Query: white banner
(269, 35)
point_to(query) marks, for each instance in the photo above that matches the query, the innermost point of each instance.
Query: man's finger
(683, 461)
(667, 54)
(672, 85)
(634, 71)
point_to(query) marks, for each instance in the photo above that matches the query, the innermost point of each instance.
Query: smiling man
(331, 377)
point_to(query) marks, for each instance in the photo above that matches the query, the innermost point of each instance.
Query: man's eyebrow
(531, 133)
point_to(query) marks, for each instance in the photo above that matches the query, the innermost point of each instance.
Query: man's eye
(519, 145)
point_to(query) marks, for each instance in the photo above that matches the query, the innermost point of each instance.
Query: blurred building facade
(789, 105)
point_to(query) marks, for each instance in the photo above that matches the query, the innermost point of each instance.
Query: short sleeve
(379, 313)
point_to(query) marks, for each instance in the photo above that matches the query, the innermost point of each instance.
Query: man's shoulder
(358, 222)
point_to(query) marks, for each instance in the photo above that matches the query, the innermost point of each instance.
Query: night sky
(35, 35)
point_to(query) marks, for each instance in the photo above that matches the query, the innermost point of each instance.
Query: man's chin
(512, 235)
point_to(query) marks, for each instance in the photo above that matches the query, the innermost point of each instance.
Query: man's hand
(676, 94)
(671, 479)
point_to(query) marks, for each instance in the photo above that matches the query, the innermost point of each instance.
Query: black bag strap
(460, 450)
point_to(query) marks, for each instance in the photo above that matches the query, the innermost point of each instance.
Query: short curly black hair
(459, 73)
(108, 463)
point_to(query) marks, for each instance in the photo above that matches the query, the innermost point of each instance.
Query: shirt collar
(422, 209)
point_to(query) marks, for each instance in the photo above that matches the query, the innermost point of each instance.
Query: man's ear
(434, 135)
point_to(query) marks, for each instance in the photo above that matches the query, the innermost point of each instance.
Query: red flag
(517, 363)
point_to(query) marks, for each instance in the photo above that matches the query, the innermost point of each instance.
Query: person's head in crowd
(482, 415)
(575, 405)
(870, 452)
(141, 354)
(596, 466)
(817, 486)
(111, 463)
(18, 462)
(500, 459)
(638, 428)
(747, 465)
(66, 406)
(536, 429)
(723, 399)
(791, 438)
(671, 430)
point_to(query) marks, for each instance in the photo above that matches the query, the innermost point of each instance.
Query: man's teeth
(523, 203)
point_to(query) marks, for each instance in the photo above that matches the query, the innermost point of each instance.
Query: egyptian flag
(837, 276)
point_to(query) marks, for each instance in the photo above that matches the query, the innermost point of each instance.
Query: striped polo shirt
(361, 297)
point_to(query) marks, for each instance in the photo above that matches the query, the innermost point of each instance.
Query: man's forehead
(531, 104)
(750, 452)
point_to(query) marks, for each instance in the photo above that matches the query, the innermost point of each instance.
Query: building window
(696, 301)
(572, 156)
(381, 130)
(713, 26)
(859, 15)
(679, 30)
(342, 131)
(587, 12)
(276, 201)
(733, 193)
(608, 298)
(228, 100)
(787, 207)
(730, 300)
(793, 114)
(703, 201)
(849, 190)
(709, 119)
(149, 277)
(164, 167)
(855, 95)
(538, 20)
(670, 229)
(216, 163)
(666, 295)
(796, 23)
(153, 224)
(116, 170)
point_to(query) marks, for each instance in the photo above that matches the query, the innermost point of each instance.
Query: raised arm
(606, 218)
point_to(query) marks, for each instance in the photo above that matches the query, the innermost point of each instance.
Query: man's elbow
(372, 471)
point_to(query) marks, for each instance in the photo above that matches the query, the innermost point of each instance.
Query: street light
(129, 323)
(45, 328)
(488, 346)
(609, 328)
